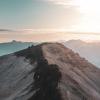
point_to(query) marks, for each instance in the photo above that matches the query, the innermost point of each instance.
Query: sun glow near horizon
(90, 14)
(50, 20)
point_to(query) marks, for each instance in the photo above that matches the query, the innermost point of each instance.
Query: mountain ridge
(80, 79)
(90, 51)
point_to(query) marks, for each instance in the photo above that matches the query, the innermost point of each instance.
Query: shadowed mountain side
(46, 80)
(46, 77)
(79, 79)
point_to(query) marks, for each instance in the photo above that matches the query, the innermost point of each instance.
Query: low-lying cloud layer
(40, 36)
(6, 30)
(65, 3)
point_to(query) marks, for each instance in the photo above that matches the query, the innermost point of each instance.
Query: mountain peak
(79, 81)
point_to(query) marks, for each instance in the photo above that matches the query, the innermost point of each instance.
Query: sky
(43, 20)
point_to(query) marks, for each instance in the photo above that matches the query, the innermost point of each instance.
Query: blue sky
(26, 20)
(32, 14)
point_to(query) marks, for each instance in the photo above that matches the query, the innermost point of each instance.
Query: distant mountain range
(10, 47)
(48, 71)
(90, 51)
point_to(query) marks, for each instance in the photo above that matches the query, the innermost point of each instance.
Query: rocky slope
(90, 51)
(80, 79)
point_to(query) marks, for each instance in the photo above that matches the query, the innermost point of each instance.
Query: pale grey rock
(80, 79)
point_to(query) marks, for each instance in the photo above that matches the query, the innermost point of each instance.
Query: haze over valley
(88, 50)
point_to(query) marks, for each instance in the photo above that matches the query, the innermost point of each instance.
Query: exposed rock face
(80, 79)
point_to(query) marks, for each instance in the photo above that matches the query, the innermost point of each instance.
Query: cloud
(27, 31)
(65, 3)
(15, 31)
(6, 30)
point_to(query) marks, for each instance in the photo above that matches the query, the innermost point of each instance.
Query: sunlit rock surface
(80, 79)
